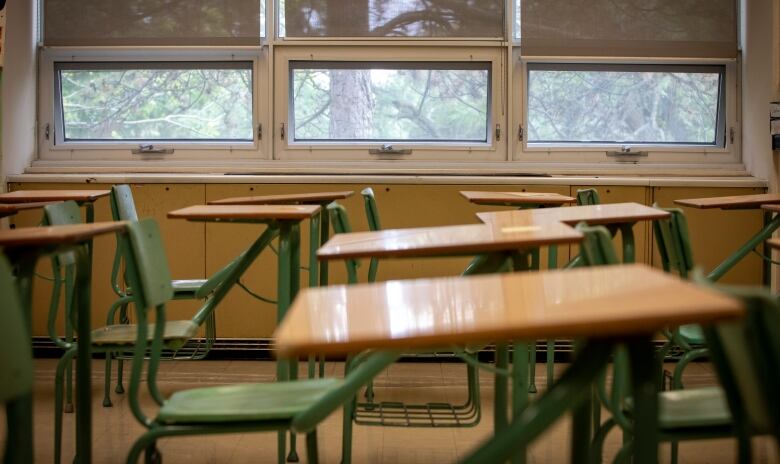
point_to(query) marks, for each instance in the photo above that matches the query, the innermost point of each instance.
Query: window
(390, 102)
(625, 104)
(154, 101)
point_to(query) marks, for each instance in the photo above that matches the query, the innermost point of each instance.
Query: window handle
(149, 149)
(627, 152)
(388, 149)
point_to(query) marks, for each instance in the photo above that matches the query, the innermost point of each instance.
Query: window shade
(152, 22)
(392, 18)
(641, 28)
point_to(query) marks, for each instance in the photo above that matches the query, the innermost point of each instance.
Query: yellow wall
(196, 250)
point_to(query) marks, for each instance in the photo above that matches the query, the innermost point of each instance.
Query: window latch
(149, 149)
(388, 149)
(626, 152)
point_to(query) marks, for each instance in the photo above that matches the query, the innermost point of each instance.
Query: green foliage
(408, 104)
(157, 104)
(627, 107)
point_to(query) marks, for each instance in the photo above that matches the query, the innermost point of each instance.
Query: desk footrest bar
(428, 415)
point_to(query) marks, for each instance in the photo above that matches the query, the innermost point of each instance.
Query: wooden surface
(772, 208)
(516, 198)
(31, 196)
(315, 198)
(594, 215)
(231, 212)
(774, 243)
(9, 209)
(586, 302)
(52, 235)
(732, 202)
(445, 241)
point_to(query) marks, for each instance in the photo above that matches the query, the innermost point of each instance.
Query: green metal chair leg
(18, 423)
(312, 455)
(683, 363)
(107, 381)
(550, 362)
(63, 364)
(532, 367)
(69, 294)
(281, 445)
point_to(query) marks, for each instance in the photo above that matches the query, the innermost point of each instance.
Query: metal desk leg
(314, 239)
(627, 234)
(501, 389)
(767, 268)
(519, 392)
(532, 352)
(566, 393)
(19, 412)
(552, 263)
(763, 235)
(644, 386)
(324, 235)
(84, 356)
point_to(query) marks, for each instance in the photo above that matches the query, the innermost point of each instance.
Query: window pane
(621, 104)
(390, 102)
(157, 104)
(391, 18)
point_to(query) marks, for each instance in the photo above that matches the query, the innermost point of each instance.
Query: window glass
(624, 104)
(391, 18)
(155, 101)
(343, 101)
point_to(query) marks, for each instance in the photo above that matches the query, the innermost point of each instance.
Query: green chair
(16, 365)
(63, 276)
(684, 414)
(466, 414)
(120, 337)
(588, 197)
(281, 406)
(746, 356)
(123, 209)
(673, 243)
(372, 214)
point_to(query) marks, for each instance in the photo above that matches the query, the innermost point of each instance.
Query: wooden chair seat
(245, 402)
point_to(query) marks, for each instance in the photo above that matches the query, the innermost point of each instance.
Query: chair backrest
(147, 266)
(61, 214)
(15, 348)
(588, 197)
(596, 247)
(747, 359)
(673, 242)
(372, 212)
(340, 222)
(122, 203)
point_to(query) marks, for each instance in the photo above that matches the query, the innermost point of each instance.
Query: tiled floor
(115, 428)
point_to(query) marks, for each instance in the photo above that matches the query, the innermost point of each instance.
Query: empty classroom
(389, 231)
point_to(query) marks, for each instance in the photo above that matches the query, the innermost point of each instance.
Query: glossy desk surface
(31, 196)
(256, 212)
(53, 235)
(517, 198)
(9, 209)
(613, 213)
(447, 240)
(604, 301)
(733, 202)
(292, 198)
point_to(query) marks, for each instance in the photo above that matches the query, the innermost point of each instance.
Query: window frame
(660, 153)
(290, 150)
(53, 146)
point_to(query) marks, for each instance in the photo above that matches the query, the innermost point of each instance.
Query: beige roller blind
(152, 22)
(392, 18)
(641, 28)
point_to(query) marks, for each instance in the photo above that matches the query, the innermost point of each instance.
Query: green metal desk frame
(25, 258)
(771, 224)
(288, 280)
